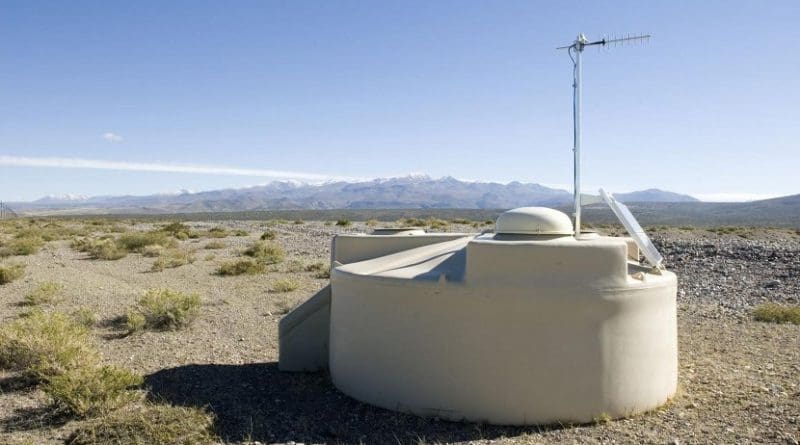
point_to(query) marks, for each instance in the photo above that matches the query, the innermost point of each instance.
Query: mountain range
(409, 192)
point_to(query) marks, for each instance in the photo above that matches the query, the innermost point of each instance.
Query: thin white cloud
(52, 162)
(733, 197)
(112, 137)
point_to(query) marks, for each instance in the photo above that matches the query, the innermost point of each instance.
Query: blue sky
(357, 89)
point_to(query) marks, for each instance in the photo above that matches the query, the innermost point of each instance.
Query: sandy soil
(739, 379)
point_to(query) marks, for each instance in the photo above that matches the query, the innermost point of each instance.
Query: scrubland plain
(144, 331)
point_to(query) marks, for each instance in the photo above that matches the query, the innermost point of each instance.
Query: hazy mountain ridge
(410, 192)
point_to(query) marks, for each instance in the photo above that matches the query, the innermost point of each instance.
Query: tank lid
(534, 221)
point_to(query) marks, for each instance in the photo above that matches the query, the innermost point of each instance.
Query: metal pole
(579, 43)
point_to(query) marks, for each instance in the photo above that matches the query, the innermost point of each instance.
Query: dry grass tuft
(44, 293)
(776, 313)
(11, 272)
(240, 267)
(42, 345)
(240, 232)
(84, 317)
(269, 235)
(320, 269)
(153, 251)
(171, 259)
(213, 245)
(21, 245)
(106, 249)
(136, 242)
(149, 424)
(217, 232)
(163, 309)
(284, 285)
(89, 391)
(265, 253)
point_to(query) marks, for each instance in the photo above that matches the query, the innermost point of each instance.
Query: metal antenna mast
(577, 48)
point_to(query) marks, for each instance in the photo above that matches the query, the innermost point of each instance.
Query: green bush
(45, 293)
(165, 309)
(776, 313)
(265, 253)
(343, 222)
(92, 391)
(42, 345)
(11, 272)
(240, 267)
(148, 424)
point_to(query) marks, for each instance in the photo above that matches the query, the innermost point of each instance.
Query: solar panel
(636, 232)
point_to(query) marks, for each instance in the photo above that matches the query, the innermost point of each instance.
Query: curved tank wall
(514, 330)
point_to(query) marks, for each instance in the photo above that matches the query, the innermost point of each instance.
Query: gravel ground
(739, 379)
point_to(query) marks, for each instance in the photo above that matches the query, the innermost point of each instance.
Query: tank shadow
(257, 402)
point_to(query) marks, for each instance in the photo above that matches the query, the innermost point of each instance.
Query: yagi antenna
(577, 48)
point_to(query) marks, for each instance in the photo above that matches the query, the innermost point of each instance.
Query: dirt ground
(739, 379)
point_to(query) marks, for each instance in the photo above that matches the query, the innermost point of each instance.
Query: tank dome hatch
(533, 221)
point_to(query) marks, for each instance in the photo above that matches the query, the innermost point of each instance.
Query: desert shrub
(294, 265)
(91, 391)
(42, 345)
(106, 249)
(165, 309)
(240, 267)
(435, 223)
(240, 232)
(413, 222)
(372, 223)
(461, 221)
(136, 242)
(153, 251)
(116, 228)
(11, 272)
(135, 321)
(84, 317)
(320, 269)
(217, 232)
(148, 424)
(776, 313)
(269, 235)
(175, 228)
(284, 285)
(171, 259)
(209, 257)
(298, 222)
(27, 245)
(265, 253)
(44, 293)
(343, 222)
(284, 306)
(215, 245)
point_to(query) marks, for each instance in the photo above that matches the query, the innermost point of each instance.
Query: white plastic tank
(527, 325)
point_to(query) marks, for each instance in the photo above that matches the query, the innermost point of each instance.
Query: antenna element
(577, 48)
